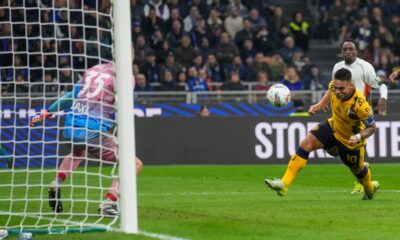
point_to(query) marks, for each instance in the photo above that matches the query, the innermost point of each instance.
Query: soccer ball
(278, 95)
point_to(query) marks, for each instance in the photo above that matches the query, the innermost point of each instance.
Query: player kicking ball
(88, 125)
(352, 122)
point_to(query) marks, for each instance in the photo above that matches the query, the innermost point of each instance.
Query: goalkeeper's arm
(62, 103)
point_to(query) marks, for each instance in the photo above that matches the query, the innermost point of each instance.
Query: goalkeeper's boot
(108, 208)
(55, 198)
(277, 185)
(358, 187)
(371, 195)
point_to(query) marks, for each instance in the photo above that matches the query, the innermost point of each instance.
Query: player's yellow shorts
(354, 159)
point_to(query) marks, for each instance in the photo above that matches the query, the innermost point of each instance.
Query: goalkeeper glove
(39, 118)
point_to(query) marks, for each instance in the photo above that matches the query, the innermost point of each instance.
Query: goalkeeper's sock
(296, 163)
(364, 177)
(68, 165)
(113, 192)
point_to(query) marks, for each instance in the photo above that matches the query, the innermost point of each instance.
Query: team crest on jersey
(352, 112)
(360, 101)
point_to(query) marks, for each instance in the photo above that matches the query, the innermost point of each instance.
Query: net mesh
(45, 48)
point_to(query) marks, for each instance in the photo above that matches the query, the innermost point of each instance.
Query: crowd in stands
(189, 45)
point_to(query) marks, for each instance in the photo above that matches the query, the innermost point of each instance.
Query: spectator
(262, 83)
(234, 22)
(185, 53)
(141, 49)
(141, 84)
(214, 18)
(197, 62)
(162, 54)
(284, 32)
(162, 9)
(300, 29)
(277, 21)
(205, 48)
(194, 83)
(214, 70)
(245, 33)
(258, 65)
(190, 20)
(234, 83)
(301, 62)
(337, 17)
(175, 15)
(171, 65)
(169, 83)
(248, 50)
(198, 32)
(225, 50)
(215, 35)
(242, 9)
(20, 85)
(151, 22)
(204, 111)
(238, 66)
(156, 40)
(204, 77)
(150, 68)
(362, 33)
(182, 79)
(263, 42)
(277, 67)
(385, 36)
(291, 79)
(137, 10)
(258, 21)
(314, 80)
(174, 37)
(288, 50)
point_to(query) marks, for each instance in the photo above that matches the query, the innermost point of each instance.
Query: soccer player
(364, 78)
(351, 123)
(88, 125)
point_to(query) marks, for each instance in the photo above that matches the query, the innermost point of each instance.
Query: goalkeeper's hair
(343, 74)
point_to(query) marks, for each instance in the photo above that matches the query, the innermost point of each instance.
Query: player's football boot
(55, 198)
(358, 187)
(277, 185)
(108, 208)
(371, 195)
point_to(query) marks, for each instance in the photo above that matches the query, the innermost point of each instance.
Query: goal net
(45, 48)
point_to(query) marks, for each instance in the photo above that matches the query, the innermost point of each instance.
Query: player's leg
(354, 159)
(358, 187)
(79, 137)
(318, 138)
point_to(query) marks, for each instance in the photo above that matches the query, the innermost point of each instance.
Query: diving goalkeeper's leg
(109, 207)
(68, 165)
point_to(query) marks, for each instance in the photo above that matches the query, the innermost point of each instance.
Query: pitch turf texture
(232, 202)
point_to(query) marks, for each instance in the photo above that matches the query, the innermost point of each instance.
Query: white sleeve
(383, 91)
(334, 69)
(370, 76)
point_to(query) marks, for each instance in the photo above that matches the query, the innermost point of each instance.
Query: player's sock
(113, 192)
(296, 163)
(68, 165)
(364, 177)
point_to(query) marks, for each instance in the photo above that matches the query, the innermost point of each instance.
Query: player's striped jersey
(349, 117)
(93, 103)
(362, 74)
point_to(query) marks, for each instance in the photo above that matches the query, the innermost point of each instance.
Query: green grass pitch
(232, 202)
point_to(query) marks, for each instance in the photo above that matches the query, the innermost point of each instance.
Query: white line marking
(144, 233)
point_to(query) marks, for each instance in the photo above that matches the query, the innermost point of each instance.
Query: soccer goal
(45, 48)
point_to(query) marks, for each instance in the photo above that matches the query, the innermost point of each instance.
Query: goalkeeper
(88, 125)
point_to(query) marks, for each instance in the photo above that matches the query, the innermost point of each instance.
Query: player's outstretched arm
(382, 103)
(61, 104)
(394, 75)
(322, 105)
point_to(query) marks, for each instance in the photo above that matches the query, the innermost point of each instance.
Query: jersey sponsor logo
(80, 108)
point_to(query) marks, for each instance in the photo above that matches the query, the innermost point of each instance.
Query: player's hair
(350, 40)
(343, 74)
